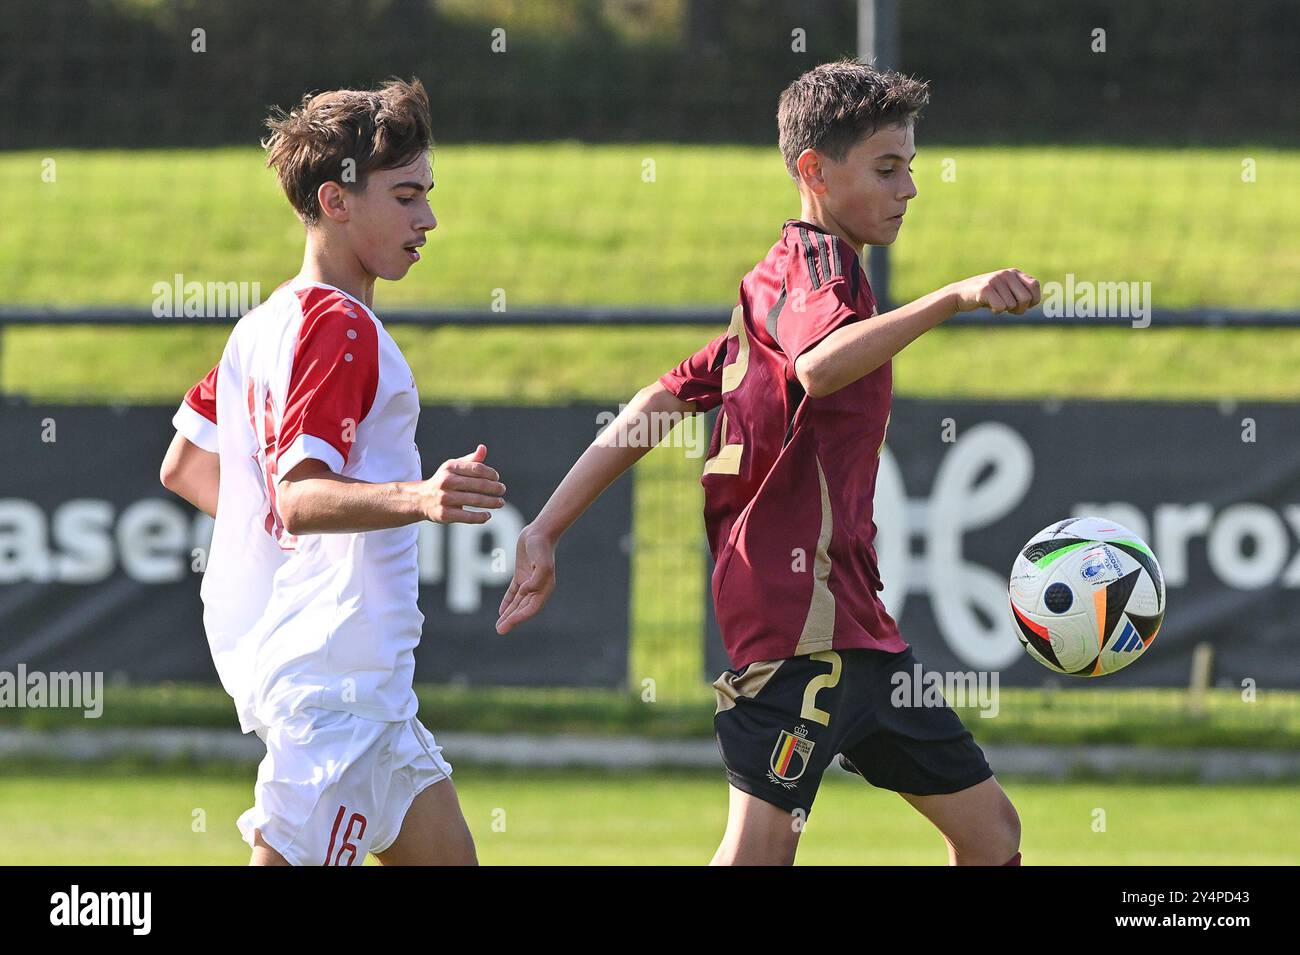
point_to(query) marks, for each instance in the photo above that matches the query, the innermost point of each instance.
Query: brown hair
(831, 107)
(376, 129)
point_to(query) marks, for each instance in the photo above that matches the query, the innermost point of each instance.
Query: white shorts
(334, 786)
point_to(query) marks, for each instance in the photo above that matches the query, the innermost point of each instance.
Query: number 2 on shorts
(823, 681)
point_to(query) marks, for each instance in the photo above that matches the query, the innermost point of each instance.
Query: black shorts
(780, 723)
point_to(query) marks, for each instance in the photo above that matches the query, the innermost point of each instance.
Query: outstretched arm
(605, 459)
(312, 499)
(859, 348)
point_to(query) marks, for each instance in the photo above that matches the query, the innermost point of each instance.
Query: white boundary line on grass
(631, 753)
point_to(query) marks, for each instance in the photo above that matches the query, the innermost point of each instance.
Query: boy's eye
(406, 200)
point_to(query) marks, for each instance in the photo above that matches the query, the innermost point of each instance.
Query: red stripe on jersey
(203, 396)
(271, 521)
(335, 374)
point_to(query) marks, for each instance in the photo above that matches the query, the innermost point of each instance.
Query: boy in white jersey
(301, 443)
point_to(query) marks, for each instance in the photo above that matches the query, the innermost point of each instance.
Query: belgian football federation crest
(790, 755)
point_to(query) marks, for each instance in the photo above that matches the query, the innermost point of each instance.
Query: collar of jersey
(808, 225)
(296, 284)
(804, 225)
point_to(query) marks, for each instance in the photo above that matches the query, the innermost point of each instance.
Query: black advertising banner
(1213, 488)
(582, 637)
(100, 565)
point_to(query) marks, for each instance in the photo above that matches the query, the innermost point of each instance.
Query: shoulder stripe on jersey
(774, 315)
(837, 267)
(823, 256)
(334, 374)
(202, 397)
(811, 257)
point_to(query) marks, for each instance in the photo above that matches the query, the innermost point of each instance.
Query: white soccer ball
(1087, 597)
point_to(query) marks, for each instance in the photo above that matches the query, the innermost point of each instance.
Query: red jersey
(789, 481)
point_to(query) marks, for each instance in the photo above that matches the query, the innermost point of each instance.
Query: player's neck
(332, 262)
(813, 214)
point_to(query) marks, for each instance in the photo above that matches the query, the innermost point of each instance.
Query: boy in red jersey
(803, 377)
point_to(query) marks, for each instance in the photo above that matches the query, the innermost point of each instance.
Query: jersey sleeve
(332, 385)
(196, 418)
(698, 379)
(821, 295)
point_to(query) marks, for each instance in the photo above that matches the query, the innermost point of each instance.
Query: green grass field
(128, 817)
(570, 224)
(566, 223)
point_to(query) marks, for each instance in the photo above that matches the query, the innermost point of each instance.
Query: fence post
(1202, 662)
(878, 43)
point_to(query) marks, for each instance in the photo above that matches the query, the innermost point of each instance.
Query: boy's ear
(809, 167)
(333, 201)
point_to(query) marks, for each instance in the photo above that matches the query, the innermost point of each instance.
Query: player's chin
(396, 271)
(886, 232)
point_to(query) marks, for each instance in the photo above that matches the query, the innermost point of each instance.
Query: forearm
(857, 349)
(621, 445)
(200, 489)
(333, 504)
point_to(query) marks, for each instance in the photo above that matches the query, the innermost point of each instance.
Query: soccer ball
(1087, 597)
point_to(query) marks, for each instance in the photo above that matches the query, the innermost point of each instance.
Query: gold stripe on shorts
(749, 684)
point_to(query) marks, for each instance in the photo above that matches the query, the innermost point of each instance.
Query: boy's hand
(534, 579)
(1006, 290)
(460, 483)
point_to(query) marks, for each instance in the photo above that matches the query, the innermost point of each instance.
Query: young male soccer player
(803, 379)
(301, 443)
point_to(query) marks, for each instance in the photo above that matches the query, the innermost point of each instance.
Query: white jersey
(324, 620)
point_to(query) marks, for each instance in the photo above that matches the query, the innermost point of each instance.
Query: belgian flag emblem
(790, 756)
